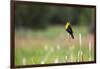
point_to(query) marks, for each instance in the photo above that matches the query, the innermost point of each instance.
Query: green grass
(29, 44)
(39, 54)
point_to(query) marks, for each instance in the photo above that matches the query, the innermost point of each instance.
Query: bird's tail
(72, 36)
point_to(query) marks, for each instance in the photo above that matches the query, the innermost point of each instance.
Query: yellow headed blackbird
(69, 29)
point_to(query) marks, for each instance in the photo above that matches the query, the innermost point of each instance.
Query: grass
(30, 44)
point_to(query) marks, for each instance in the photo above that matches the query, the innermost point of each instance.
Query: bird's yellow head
(67, 24)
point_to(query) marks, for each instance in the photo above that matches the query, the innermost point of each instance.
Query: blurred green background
(41, 16)
(40, 36)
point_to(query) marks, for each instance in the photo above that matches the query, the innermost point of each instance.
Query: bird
(69, 29)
